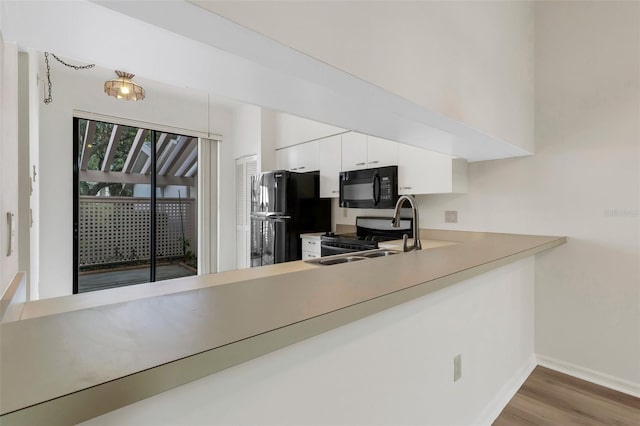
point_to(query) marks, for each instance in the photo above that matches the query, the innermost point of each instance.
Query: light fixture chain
(49, 98)
(75, 67)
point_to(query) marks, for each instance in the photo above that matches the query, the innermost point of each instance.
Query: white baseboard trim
(589, 375)
(502, 398)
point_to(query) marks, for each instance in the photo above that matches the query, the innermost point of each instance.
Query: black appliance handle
(341, 202)
(272, 217)
(376, 183)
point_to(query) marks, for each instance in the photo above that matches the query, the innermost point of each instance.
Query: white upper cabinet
(381, 152)
(354, 151)
(419, 171)
(299, 158)
(330, 166)
(364, 152)
(427, 172)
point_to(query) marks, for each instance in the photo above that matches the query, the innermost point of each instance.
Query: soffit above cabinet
(205, 51)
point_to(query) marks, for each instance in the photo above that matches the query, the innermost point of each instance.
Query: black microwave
(369, 188)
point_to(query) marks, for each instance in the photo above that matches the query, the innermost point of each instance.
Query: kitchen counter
(426, 244)
(76, 357)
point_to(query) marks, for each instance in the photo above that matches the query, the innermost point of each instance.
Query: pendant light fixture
(124, 88)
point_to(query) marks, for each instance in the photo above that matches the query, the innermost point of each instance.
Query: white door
(246, 171)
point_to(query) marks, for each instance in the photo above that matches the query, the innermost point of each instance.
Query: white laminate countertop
(88, 344)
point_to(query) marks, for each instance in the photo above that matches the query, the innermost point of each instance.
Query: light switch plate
(451, 216)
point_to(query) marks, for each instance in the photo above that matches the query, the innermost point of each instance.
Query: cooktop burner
(370, 231)
(354, 236)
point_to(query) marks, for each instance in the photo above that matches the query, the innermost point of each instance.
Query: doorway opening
(135, 205)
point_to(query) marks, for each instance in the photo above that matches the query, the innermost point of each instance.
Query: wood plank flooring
(552, 398)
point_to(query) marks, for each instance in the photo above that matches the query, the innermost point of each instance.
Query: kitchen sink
(381, 253)
(338, 260)
(351, 257)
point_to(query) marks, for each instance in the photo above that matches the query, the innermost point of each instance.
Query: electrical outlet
(451, 216)
(457, 367)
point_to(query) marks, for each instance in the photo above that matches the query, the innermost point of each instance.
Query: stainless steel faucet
(416, 224)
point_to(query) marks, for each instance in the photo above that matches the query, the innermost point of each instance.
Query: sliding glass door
(135, 205)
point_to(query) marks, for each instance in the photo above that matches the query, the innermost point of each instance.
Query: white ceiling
(183, 45)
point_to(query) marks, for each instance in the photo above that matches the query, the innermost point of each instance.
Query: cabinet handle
(335, 192)
(374, 162)
(300, 168)
(360, 164)
(9, 233)
(311, 242)
(294, 168)
(405, 187)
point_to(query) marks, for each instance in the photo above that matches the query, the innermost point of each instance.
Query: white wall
(395, 367)
(291, 130)
(34, 163)
(245, 126)
(247, 131)
(8, 160)
(269, 139)
(469, 60)
(584, 182)
(83, 90)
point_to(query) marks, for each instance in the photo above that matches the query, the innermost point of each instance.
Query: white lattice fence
(116, 229)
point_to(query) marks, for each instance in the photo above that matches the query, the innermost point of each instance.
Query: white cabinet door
(381, 152)
(426, 172)
(283, 161)
(311, 245)
(299, 158)
(354, 151)
(306, 158)
(330, 159)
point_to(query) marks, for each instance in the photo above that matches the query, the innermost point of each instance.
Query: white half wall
(392, 368)
(584, 182)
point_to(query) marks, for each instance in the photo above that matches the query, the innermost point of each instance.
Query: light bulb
(124, 90)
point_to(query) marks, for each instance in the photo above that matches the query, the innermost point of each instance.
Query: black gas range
(370, 230)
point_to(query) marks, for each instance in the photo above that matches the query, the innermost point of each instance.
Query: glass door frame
(153, 192)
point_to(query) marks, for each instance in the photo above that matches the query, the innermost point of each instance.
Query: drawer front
(311, 245)
(309, 255)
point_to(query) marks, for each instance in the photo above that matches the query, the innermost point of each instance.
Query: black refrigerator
(283, 206)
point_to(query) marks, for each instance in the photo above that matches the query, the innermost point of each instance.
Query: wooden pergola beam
(188, 164)
(160, 145)
(87, 146)
(133, 178)
(187, 156)
(181, 146)
(136, 146)
(110, 152)
(192, 171)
